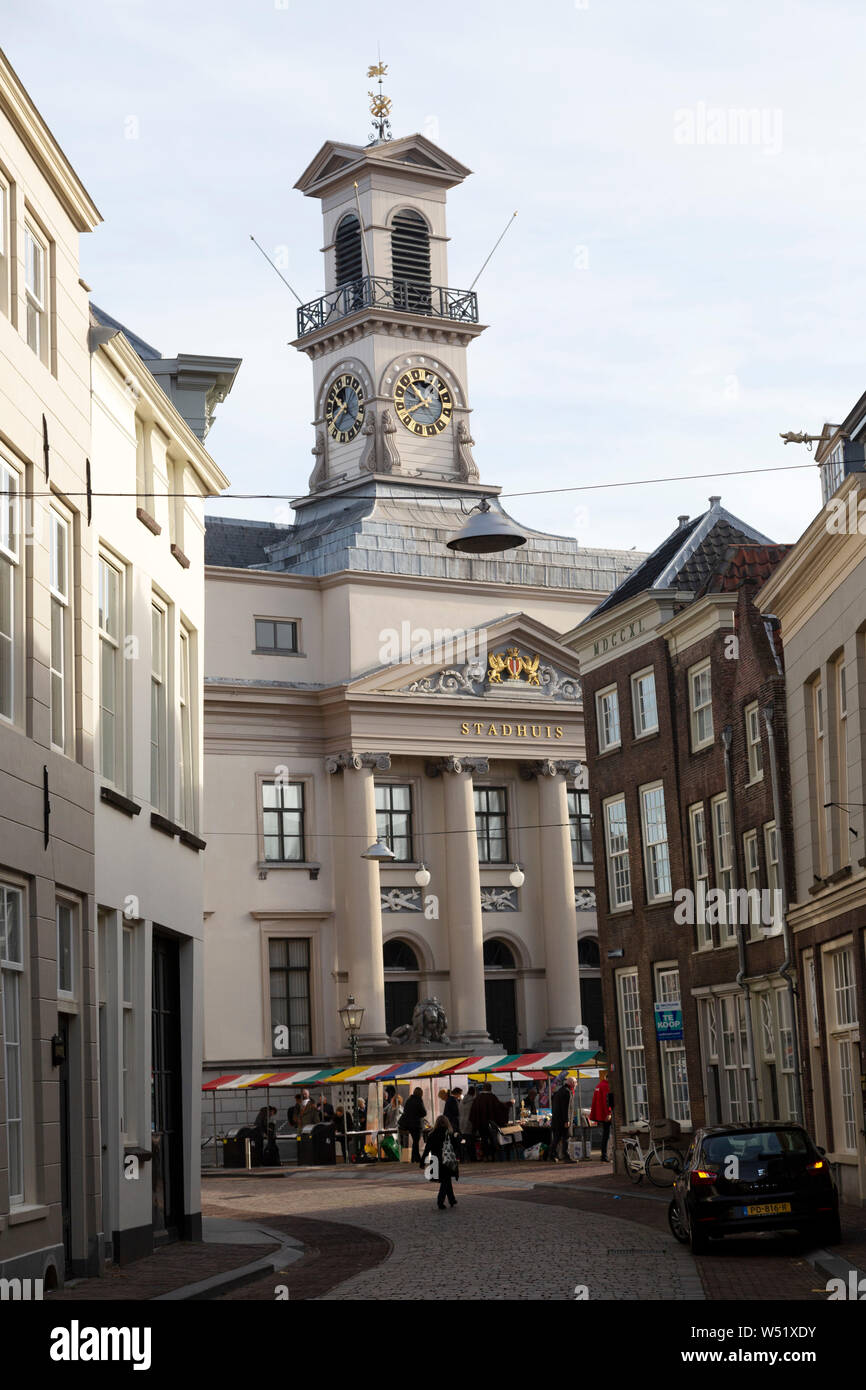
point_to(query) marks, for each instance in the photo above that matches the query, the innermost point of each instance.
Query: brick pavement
(169, 1268)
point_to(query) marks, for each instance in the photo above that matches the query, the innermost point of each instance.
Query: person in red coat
(600, 1113)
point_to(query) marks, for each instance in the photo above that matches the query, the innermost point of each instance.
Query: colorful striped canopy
(403, 1071)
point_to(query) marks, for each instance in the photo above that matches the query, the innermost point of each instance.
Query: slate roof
(746, 564)
(689, 557)
(144, 350)
(240, 544)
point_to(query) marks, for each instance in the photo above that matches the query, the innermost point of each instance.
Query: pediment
(512, 660)
(415, 153)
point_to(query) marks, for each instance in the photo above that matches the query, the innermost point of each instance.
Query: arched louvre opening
(410, 261)
(350, 263)
(402, 973)
(500, 994)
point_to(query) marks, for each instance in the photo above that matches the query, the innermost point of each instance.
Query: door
(501, 1007)
(166, 1090)
(401, 996)
(591, 1010)
(65, 1145)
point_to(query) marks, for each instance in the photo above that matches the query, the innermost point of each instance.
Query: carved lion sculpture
(429, 1024)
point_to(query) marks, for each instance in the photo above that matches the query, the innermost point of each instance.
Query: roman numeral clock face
(423, 402)
(344, 408)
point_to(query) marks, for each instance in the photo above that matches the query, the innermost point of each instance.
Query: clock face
(423, 402)
(344, 408)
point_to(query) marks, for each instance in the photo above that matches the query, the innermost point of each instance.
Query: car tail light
(703, 1177)
(815, 1167)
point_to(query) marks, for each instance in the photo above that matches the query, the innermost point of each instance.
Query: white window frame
(842, 1026)
(674, 1069)
(820, 773)
(11, 626)
(642, 728)
(608, 725)
(5, 258)
(701, 874)
(65, 910)
(36, 291)
(111, 653)
(752, 875)
(774, 879)
(724, 871)
(128, 1054)
(14, 1025)
(632, 1046)
(840, 792)
(62, 673)
(187, 745)
(754, 747)
(698, 710)
(159, 704)
(657, 859)
(618, 859)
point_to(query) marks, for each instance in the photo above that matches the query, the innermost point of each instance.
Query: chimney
(714, 501)
(681, 520)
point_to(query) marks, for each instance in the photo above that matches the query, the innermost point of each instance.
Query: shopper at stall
(340, 1129)
(306, 1111)
(440, 1142)
(487, 1110)
(467, 1134)
(561, 1116)
(414, 1114)
(452, 1109)
(601, 1113)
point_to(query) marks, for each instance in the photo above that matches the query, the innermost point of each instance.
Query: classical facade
(686, 748)
(149, 425)
(817, 596)
(49, 1115)
(364, 683)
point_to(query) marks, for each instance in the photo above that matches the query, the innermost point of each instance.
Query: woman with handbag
(441, 1148)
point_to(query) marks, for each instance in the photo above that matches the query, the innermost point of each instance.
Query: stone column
(468, 1017)
(362, 913)
(561, 969)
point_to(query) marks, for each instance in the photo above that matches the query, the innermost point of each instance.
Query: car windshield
(765, 1143)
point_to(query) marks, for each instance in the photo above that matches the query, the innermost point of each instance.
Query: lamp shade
(422, 876)
(517, 877)
(379, 853)
(486, 532)
(351, 1016)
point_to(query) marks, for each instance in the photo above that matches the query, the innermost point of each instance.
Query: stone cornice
(810, 573)
(417, 328)
(836, 900)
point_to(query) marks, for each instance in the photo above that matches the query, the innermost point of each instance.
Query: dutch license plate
(767, 1209)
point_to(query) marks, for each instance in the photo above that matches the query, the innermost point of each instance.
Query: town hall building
(366, 684)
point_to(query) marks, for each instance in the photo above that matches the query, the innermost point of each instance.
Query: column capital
(456, 764)
(570, 768)
(339, 762)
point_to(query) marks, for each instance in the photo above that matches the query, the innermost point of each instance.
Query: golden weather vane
(380, 105)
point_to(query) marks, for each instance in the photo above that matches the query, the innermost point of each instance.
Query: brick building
(687, 755)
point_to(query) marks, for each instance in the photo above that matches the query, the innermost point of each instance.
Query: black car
(753, 1177)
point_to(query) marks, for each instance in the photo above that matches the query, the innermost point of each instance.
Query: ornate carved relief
(551, 767)
(584, 899)
(368, 454)
(467, 468)
(457, 765)
(498, 899)
(471, 679)
(338, 762)
(320, 454)
(390, 458)
(402, 900)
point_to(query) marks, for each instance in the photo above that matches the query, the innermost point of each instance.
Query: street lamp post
(351, 1018)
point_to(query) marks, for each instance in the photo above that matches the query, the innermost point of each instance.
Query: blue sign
(669, 1022)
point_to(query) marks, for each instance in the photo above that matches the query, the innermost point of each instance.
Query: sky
(684, 280)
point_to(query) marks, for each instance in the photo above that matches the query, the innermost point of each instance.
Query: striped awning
(510, 1063)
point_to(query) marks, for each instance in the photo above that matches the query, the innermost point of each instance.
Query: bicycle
(660, 1163)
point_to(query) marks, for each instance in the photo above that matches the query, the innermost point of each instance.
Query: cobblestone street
(518, 1232)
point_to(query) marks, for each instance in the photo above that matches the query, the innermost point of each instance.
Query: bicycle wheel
(633, 1165)
(662, 1166)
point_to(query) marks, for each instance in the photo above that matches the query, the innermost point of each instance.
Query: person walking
(440, 1142)
(601, 1112)
(414, 1113)
(561, 1115)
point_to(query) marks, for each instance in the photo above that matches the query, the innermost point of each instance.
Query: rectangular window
(754, 748)
(607, 714)
(643, 696)
(491, 826)
(616, 840)
(819, 778)
(675, 1078)
(289, 963)
(655, 839)
(11, 998)
(701, 705)
(273, 635)
(700, 870)
(159, 707)
(110, 604)
(61, 632)
(5, 292)
(127, 1122)
(842, 1049)
(580, 827)
(394, 819)
(786, 1052)
(634, 1058)
(11, 646)
(753, 879)
(724, 863)
(67, 951)
(844, 989)
(732, 1099)
(283, 822)
(841, 789)
(187, 765)
(774, 881)
(36, 291)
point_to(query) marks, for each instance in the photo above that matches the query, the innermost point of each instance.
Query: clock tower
(388, 338)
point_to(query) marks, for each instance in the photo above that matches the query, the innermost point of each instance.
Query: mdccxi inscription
(625, 634)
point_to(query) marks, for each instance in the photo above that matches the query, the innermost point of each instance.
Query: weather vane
(380, 105)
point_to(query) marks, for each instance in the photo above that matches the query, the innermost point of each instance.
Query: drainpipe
(785, 967)
(758, 1101)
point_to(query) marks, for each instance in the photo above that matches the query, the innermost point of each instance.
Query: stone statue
(429, 1024)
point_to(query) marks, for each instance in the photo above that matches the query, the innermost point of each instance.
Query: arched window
(410, 261)
(398, 955)
(350, 265)
(498, 956)
(587, 952)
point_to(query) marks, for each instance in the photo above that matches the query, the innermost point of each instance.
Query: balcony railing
(373, 291)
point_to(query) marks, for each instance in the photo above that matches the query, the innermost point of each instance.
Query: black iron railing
(373, 291)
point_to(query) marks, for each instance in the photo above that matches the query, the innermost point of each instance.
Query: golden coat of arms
(514, 665)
